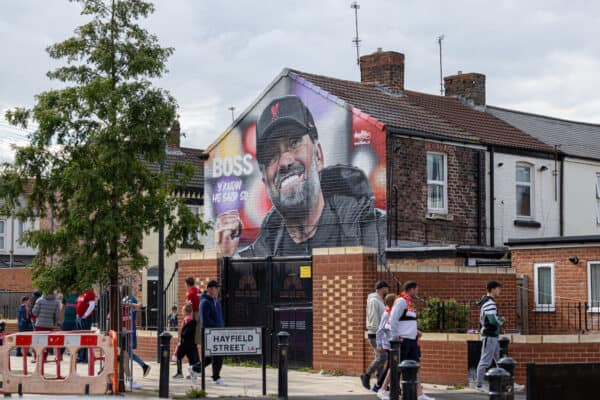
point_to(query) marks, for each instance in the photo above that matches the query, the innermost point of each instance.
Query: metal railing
(9, 304)
(170, 296)
(564, 318)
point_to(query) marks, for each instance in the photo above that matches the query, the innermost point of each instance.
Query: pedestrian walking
(375, 309)
(490, 324)
(130, 307)
(24, 321)
(187, 342)
(211, 316)
(86, 302)
(403, 323)
(383, 337)
(193, 298)
(47, 313)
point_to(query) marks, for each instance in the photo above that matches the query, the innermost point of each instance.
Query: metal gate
(274, 292)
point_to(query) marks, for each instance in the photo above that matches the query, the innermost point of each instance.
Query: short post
(394, 360)
(497, 378)
(410, 369)
(165, 355)
(504, 342)
(508, 364)
(283, 342)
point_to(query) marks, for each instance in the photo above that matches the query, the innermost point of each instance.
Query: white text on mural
(235, 165)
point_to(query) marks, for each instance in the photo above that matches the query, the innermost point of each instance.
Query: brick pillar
(202, 266)
(342, 280)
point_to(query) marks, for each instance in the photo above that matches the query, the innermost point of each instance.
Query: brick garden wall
(466, 285)
(464, 223)
(571, 286)
(202, 266)
(16, 280)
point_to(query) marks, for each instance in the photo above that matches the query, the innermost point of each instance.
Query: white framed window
(598, 198)
(196, 211)
(593, 281)
(544, 287)
(437, 183)
(22, 226)
(524, 190)
(2, 233)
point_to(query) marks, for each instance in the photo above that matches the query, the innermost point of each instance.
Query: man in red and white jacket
(403, 322)
(86, 302)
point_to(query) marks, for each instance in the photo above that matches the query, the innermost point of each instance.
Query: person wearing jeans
(211, 316)
(130, 307)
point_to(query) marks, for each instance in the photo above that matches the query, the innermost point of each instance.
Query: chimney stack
(385, 68)
(470, 86)
(174, 138)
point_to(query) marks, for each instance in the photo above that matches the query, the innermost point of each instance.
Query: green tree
(88, 162)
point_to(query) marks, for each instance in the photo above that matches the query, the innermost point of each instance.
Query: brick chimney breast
(470, 86)
(174, 138)
(385, 68)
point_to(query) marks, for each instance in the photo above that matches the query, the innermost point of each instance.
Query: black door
(152, 303)
(274, 292)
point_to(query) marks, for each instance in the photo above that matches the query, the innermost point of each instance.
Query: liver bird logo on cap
(274, 111)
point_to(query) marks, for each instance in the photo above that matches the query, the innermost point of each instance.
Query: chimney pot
(384, 68)
(174, 137)
(470, 86)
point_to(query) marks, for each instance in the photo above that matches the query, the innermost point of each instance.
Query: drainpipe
(11, 262)
(562, 193)
(492, 224)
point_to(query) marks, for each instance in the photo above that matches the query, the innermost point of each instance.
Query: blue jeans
(83, 324)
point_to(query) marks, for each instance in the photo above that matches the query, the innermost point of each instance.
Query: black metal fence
(9, 304)
(564, 318)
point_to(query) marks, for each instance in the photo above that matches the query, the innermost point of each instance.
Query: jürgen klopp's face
(291, 171)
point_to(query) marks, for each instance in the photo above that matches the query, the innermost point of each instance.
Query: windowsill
(593, 309)
(527, 223)
(439, 216)
(544, 309)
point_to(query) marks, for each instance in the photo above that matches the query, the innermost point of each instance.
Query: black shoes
(365, 380)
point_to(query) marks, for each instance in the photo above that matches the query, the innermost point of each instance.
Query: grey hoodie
(375, 309)
(47, 310)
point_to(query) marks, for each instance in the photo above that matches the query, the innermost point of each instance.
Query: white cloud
(539, 55)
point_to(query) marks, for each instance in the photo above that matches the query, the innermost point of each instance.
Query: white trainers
(425, 397)
(383, 394)
(220, 382)
(134, 385)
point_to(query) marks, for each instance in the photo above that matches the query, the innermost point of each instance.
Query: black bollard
(283, 342)
(394, 360)
(504, 342)
(410, 369)
(497, 378)
(165, 355)
(508, 364)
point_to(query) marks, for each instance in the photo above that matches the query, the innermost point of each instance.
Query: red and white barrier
(71, 384)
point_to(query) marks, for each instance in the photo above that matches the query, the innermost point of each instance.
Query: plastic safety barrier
(106, 381)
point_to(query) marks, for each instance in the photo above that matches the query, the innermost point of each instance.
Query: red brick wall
(444, 363)
(571, 286)
(201, 269)
(147, 348)
(408, 220)
(465, 288)
(341, 284)
(15, 279)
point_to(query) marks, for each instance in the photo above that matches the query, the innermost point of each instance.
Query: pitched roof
(489, 129)
(577, 139)
(196, 183)
(444, 116)
(394, 111)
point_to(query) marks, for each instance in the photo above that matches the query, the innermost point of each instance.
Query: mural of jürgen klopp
(313, 205)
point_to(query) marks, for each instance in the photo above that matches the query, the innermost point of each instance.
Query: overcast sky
(541, 56)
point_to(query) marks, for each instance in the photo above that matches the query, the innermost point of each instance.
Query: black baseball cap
(290, 115)
(381, 285)
(492, 285)
(212, 283)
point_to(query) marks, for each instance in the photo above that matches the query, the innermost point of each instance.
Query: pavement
(246, 382)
